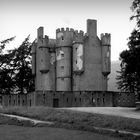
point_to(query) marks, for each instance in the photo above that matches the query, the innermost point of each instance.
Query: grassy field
(75, 120)
(13, 129)
(12, 132)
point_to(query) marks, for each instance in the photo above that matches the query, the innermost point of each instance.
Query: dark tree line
(129, 75)
(15, 68)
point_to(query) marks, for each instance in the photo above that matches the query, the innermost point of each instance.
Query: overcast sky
(22, 17)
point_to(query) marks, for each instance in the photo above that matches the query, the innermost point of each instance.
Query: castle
(74, 61)
(70, 71)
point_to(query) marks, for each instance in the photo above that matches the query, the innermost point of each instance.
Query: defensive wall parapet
(70, 99)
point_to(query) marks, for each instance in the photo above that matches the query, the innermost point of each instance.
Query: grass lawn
(12, 132)
(76, 120)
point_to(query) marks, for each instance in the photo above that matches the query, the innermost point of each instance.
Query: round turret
(106, 53)
(78, 37)
(34, 45)
(64, 41)
(64, 37)
(78, 52)
(43, 66)
(44, 55)
(105, 39)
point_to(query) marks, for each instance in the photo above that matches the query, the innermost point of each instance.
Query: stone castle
(71, 71)
(74, 61)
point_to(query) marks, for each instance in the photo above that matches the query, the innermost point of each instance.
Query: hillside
(115, 66)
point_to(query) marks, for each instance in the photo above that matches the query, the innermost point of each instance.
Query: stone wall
(14, 100)
(71, 99)
(124, 99)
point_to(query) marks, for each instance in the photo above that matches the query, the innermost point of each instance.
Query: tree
(15, 71)
(4, 42)
(21, 63)
(6, 84)
(129, 76)
(136, 12)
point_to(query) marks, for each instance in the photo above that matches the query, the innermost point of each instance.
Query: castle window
(103, 100)
(67, 100)
(76, 61)
(18, 96)
(62, 54)
(22, 102)
(62, 38)
(43, 98)
(62, 79)
(14, 102)
(108, 54)
(75, 99)
(30, 102)
(62, 67)
(18, 102)
(98, 100)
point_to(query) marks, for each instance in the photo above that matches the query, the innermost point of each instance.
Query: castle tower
(64, 40)
(78, 52)
(106, 57)
(90, 75)
(78, 58)
(34, 45)
(52, 71)
(42, 62)
(74, 61)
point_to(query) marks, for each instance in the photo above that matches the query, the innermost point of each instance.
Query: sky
(22, 17)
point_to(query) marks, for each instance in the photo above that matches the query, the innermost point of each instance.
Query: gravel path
(28, 119)
(117, 111)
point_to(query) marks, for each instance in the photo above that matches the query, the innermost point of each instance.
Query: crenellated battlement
(79, 32)
(78, 36)
(106, 39)
(45, 40)
(41, 39)
(64, 37)
(64, 30)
